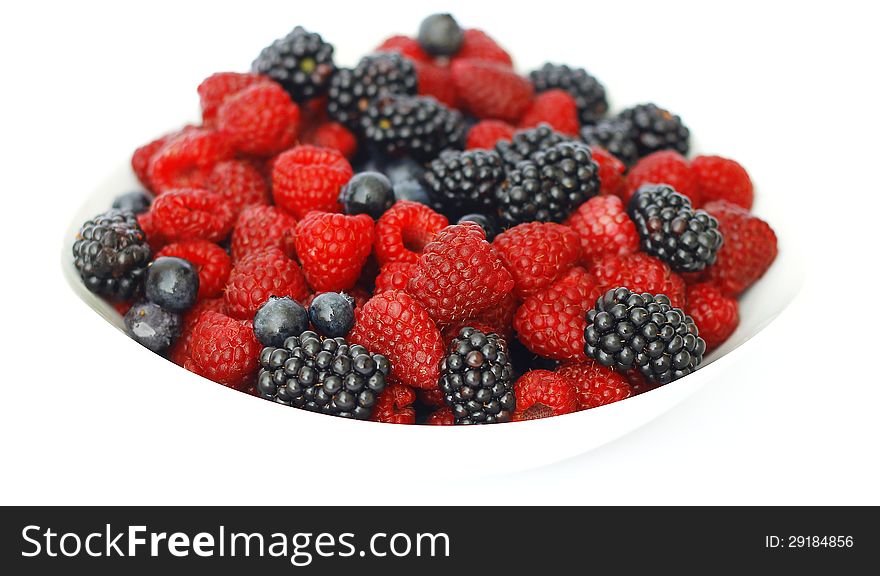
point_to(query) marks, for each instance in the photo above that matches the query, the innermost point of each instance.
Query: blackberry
(614, 135)
(301, 62)
(324, 375)
(417, 126)
(550, 186)
(462, 182)
(487, 223)
(526, 142)
(111, 255)
(627, 330)
(588, 93)
(353, 89)
(476, 378)
(653, 128)
(670, 229)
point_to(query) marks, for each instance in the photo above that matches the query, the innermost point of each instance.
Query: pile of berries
(427, 236)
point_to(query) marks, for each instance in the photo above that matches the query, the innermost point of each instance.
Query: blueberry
(411, 190)
(403, 170)
(172, 283)
(136, 202)
(367, 193)
(440, 35)
(332, 314)
(279, 319)
(152, 326)
(486, 223)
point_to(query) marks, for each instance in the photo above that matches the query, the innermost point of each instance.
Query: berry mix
(427, 237)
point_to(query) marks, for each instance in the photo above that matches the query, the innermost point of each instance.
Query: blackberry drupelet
(670, 229)
(462, 182)
(550, 186)
(526, 142)
(627, 330)
(111, 255)
(301, 62)
(615, 136)
(476, 378)
(325, 375)
(588, 93)
(353, 89)
(653, 128)
(417, 126)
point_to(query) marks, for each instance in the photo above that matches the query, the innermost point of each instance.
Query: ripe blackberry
(476, 378)
(352, 89)
(588, 93)
(653, 128)
(324, 375)
(670, 229)
(462, 182)
(615, 136)
(627, 330)
(301, 62)
(417, 126)
(111, 254)
(550, 186)
(526, 142)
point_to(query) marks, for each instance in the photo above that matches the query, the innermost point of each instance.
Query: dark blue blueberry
(402, 170)
(172, 283)
(332, 314)
(411, 190)
(486, 223)
(136, 202)
(152, 326)
(279, 319)
(367, 193)
(440, 35)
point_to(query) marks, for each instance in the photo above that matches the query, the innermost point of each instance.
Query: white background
(788, 88)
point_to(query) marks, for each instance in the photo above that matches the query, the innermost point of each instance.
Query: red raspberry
(430, 396)
(308, 178)
(394, 405)
(604, 228)
(723, 179)
(140, 160)
(394, 276)
(497, 319)
(333, 248)
(478, 45)
(225, 350)
(441, 417)
(407, 46)
(640, 273)
(639, 383)
(148, 224)
(716, 315)
(122, 307)
(595, 384)
(187, 159)
(192, 214)
(551, 322)
(261, 120)
(436, 81)
(663, 167)
(748, 250)
(395, 324)
(180, 351)
(313, 113)
(262, 227)
(611, 172)
(489, 90)
(541, 394)
(487, 133)
(459, 274)
(259, 275)
(333, 135)
(212, 262)
(554, 107)
(216, 88)
(403, 231)
(240, 183)
(537, 254)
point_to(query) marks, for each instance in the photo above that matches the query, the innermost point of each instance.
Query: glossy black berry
(406, 179)
(152, 326)
(416, 126)
(332, 314)
(353, 89)
(652, 128)
(367, 193)
(588, 93)
(301, 62)
(487, 223)
(172, 283)
(462, 182)
(615, 136)
(526, 142)
(440, 35)
(278, 319)
(136, 202)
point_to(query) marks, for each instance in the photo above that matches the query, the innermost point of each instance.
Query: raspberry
(192, 214)
(212, 262)
(262, 227)
(140, 160)
(403, 231)
(541, 394)
(714, 314)
(587, 93)
(595, 384)
(259, 275)
(640, 273)
(477, 45)
(604, 228)
(332, 249)
(639, 383)
(723, 179)
(395, 324)
(394, 276)
(459, 274)
(216, 88)
(664, 167)
(181, 351)
(240, 183)
(487, 133)
(436, 81)
(554, 107)
(148, 224)
(551, 322)
(748, 250)
(187, 159)
(500, 316)
(442, 416)
(537, 254)
(225, 350)
(308, 178)
(333, 135)
(261, 120)
(611, 172)
(430, 396)
(394, 405)
(407, 46)
(490, 90)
